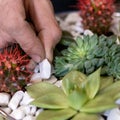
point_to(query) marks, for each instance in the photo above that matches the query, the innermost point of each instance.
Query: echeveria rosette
(80, 97)
(86, 55)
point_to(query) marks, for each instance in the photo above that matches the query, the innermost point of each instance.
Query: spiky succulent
(81, 97)
(88, 54)
(13, 73)
(96, 14)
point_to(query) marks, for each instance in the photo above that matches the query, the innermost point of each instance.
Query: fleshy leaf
(111, 90)
(56, 114)
(42, 88)
(93, 84)
(105, 82)
(83, 116)
(71, 80)
(99, 104)
(77, 99)
(51, 101)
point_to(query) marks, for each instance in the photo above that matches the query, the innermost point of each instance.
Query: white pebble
(45, 69)
(26, 99)
(29, 117)
(33, 110)
(15, 100)
(58, 83)
(36, 70)
(73, 17)
(4, 99)
(114, 114)
(25, 109)
(52, 79)
(18, 114)
(6, 109)
(36, 77)
(88, 32)
(38, 112)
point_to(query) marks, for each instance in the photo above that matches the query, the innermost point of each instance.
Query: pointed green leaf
(93, 84)
(99, 104)
(83, 116)
(42, 88)
(71, 80)
(105, 82)
(51, 101)
(113, 90)
(56, 114)
(77, 99)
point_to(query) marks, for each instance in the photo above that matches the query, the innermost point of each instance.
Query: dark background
(64, 5)
(67, 5)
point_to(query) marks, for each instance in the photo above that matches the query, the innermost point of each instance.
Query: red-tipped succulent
(13, 73)
(96, 14)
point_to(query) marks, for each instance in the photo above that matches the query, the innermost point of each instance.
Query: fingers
(43, 18)
(27, 39)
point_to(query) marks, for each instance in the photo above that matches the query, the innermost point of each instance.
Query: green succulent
(80, 97)
(87, 54)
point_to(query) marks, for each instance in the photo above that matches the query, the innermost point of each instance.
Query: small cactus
(96, 14)
(13, 73)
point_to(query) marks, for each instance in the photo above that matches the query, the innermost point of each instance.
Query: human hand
(37, 41)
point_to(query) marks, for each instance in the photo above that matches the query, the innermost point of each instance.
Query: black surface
(64, 5)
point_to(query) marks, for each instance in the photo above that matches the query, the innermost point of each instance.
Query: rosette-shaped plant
(13, 73)
(86, 55)
(96, 14)
(80, 97)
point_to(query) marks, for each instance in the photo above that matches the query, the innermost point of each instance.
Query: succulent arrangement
(96, 14)
(87, 54)
(80, 97)
(13, 73)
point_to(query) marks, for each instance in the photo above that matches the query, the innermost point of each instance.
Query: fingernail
(36, 58)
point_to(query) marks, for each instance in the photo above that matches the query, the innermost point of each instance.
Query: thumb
(29, 42)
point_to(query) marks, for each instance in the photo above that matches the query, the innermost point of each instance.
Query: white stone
(33, 110)
(4, 99)
(26, 99)
(45, 69)
(36, 70)
(52, 79)
(18, 114)
(38, 112)
(29, 117)
(15, 100)
(6, 109)
(58, 83)
(25, 109)
(73, 17)
(36, 77)
(114, 114)
(88, 32)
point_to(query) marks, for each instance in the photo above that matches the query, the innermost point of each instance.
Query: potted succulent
(79, 97)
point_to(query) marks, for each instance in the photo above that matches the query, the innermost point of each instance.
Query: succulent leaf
(92, 84)
(77, 99)
(49, 101)
(72, 81)
(105, 82)
(99, 104)
(56, 114)
(84, 116)
(40, 89)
